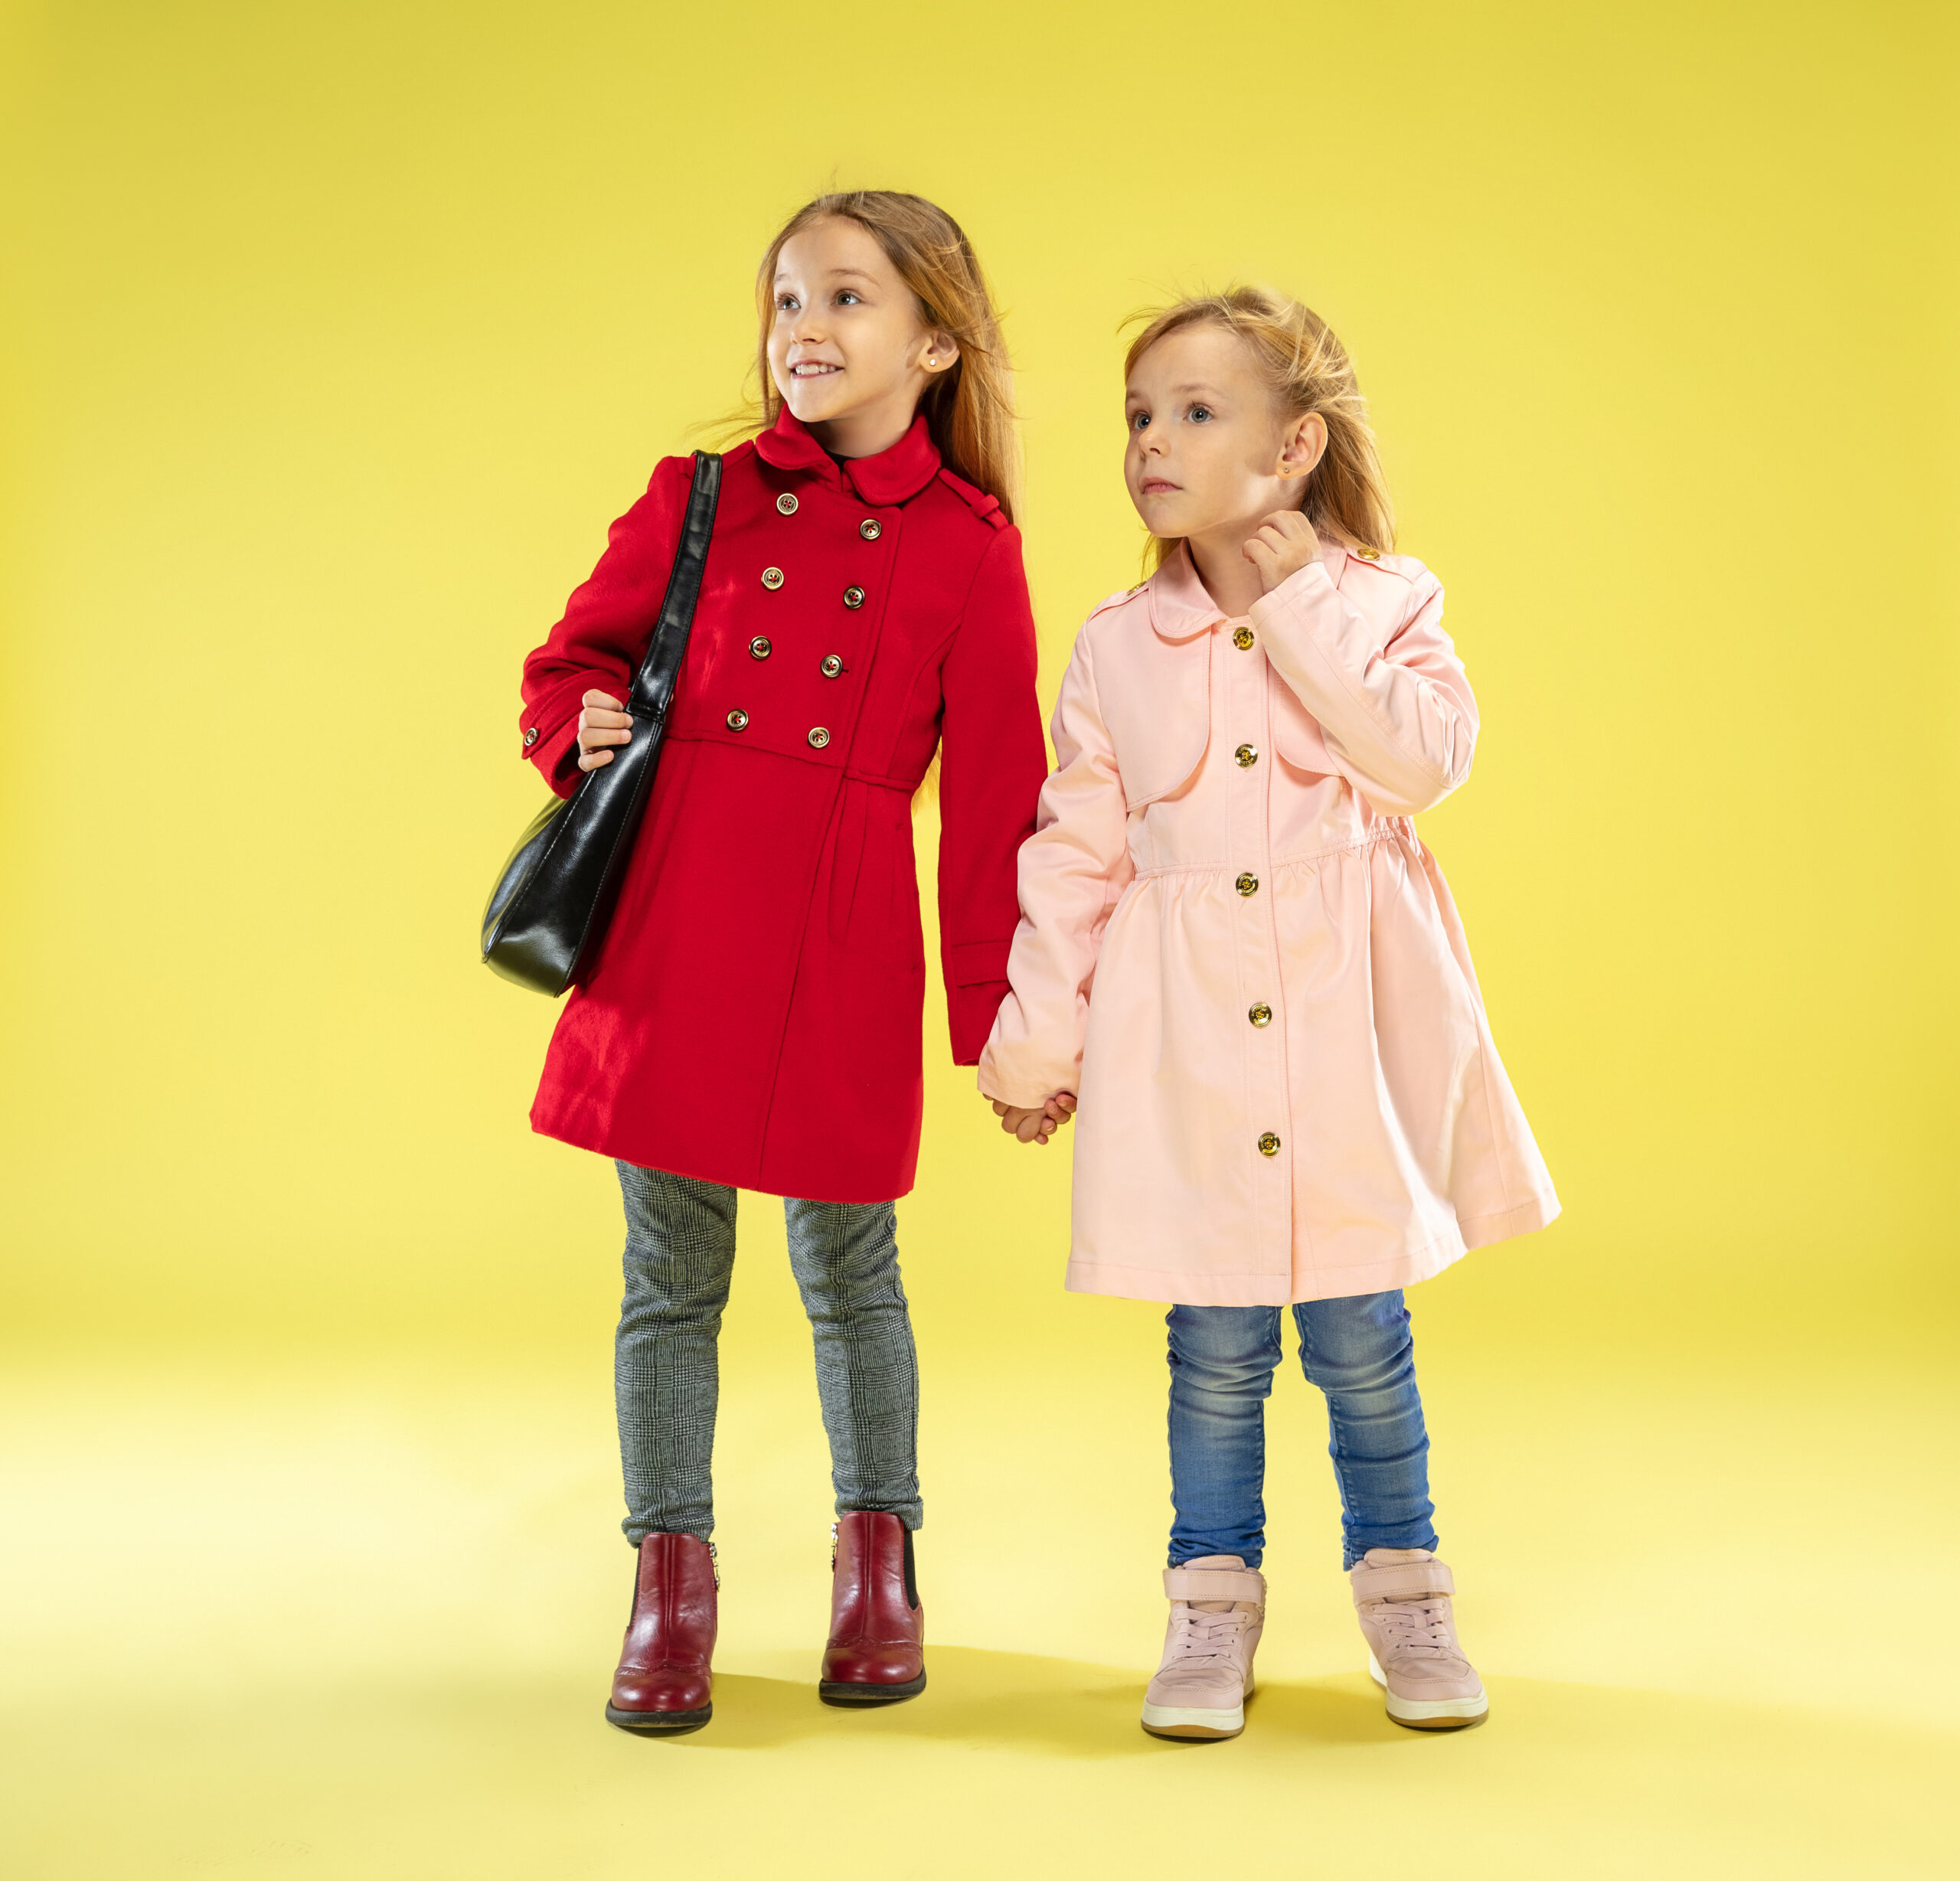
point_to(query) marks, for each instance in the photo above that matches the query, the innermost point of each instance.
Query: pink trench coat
(1288, 1089)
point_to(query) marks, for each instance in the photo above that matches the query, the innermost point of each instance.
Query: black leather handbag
(554, 896)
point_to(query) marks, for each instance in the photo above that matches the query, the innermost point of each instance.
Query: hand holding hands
(1284, 545)
(1036, 1126)
(603, 720)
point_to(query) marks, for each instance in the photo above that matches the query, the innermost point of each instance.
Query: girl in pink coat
(1236, 955)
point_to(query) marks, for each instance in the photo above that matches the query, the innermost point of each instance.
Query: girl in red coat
(751, 1019)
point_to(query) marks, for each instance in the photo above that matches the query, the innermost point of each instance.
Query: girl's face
(848, 349)
(1209, 451)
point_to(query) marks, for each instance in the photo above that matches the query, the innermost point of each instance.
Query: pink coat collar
(892, 476)
(1179, 609)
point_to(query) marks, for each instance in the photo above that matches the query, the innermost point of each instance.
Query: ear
(1302, 445)
(939, 351)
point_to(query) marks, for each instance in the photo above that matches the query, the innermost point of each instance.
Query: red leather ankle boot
(877, 1653)
(664, 1678)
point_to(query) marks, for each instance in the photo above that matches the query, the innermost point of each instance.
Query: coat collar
(1179, 608)
(892, 476)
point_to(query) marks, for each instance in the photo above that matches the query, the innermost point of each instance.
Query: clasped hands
(1038, 1125)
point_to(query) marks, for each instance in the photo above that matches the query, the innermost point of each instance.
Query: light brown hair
(1306, 369)
(969, 408)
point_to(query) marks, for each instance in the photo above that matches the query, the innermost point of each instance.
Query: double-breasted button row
(871, 528)
(818, 736)
(774, 578)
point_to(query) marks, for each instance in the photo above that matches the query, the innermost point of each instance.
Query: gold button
(1247, 884)
(759, 649)
(1368, 555)
(529, 737)
(737, 719)
(1248, 755)
(1269, 1145)
(832, 667)
(854, 597)
(870, 529)
(1261, 1014)
(787, 503)
(818, 738)
(1241, 638)
(771, 577)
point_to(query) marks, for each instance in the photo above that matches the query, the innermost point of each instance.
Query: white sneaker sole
(1194, 1720)
(1431, 1714)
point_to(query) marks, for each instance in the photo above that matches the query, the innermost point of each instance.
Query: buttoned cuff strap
(1410, 1580)
(1215, 1584)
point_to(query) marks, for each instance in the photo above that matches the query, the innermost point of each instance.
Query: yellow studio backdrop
(337, 334)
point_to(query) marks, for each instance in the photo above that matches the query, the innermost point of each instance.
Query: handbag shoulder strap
(653, 685)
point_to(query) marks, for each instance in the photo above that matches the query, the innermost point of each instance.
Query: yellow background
(337, 334)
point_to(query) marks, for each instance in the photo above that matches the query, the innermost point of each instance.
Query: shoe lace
(1417, 1629)
(1197, 1636)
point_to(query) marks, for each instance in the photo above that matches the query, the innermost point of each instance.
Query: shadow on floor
(1016, 1700)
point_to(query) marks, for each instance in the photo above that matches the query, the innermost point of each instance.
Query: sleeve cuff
(971, 1010)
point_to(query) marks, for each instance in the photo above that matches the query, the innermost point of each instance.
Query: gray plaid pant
(680, 1255)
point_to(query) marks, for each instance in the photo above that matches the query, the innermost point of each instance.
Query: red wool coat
(753, 1015)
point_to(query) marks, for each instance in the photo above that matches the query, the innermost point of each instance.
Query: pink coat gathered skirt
(1236, 951)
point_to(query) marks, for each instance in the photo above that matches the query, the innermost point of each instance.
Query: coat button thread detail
(771, 577)
(738, 720)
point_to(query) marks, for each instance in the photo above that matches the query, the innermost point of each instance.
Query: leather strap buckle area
(1408, 1580)
(1215, 1584)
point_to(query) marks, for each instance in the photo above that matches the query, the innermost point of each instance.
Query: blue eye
(1139, 421)
(1199, 413)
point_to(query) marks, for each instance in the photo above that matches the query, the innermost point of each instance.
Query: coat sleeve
(607, 623)
(1073, 869)
(992, 762)
(1398, 715)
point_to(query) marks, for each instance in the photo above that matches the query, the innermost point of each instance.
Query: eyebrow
(838, 274)
(1184, 391)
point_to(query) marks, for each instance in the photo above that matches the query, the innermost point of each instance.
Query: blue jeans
(1357, 1350)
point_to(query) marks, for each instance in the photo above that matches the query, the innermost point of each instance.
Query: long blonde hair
(969, 408)
(1307, 369)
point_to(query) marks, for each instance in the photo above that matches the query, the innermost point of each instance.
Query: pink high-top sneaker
(1402, 1595)
(1217, 1611)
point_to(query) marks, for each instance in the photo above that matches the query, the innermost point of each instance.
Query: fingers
(604, 701)
(598, 729)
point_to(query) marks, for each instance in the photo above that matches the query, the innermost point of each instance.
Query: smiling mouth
(812, 369)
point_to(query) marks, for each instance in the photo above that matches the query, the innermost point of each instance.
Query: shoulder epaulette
(987, 508)
(1121, 594)
(1388, 564)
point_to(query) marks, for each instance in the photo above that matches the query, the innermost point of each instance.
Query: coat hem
(1407, 1269)
(755, 1181)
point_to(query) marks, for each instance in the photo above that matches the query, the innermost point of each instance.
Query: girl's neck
(865, 433)
(1219, 556)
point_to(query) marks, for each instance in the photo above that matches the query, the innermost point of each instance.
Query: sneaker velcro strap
(1215, 1584)
(1408, 1580)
